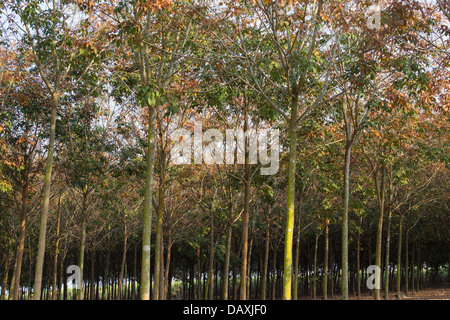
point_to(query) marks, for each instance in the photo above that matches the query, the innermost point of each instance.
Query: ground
(439, 292)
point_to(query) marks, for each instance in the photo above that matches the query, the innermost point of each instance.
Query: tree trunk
(344, 284)
(210, 285)
(412, 267)
(315, 266)
(325, 263)
(21, 242)
(399, 256)
(133, 286)
(5, 275)
(381, 196)
(145, 282)
(249, 282)
(406, 262)
(419, 268)
(160, 210)
(45, 202)
(290, 211)
(168, 258)
(226, 268)
(388, 244)
(106, 289)
(199, 272)
(358, 262)
(124, 256)
(245, 214)
(92, 277)
(297, 249)
(274, 274)
(82, 246)
(266, 257)
(55, 256)
(235, 287)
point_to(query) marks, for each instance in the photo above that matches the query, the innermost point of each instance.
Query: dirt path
(440, 292)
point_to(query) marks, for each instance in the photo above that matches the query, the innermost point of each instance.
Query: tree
(292, 77)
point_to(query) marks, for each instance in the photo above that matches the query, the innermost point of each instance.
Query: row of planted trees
(423, 265)
(93, 90)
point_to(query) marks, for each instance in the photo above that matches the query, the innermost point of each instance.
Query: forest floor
(438, 292)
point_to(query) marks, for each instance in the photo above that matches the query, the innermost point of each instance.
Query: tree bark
(297, 249)
(290, 212)
(145, 282)
(358, 260)
(80, 292)
(21, 242)
(45, 201)
(399, 256)
(5, 275)
(388, 244)
(245, 214)
(168, 259)
(55, 256)
(199, 273)
(210, 284)
(124, 256)
(381, 196)
(266, 257)
(315, 266)
(344, 285)
(406, 262)
(325, 263)
(226, 268)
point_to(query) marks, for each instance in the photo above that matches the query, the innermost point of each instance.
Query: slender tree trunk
(399, 256)
(325, 263)
(168, 258)
(419, 268)
(406, 262)
(21, 242)
(124, 256)
(249, 282)
(133, 286)
(55, 256)
(92, 277)
(82, 246)
(235, 287)
(5, 275)
(381, 196)
(106, 288)
(274, 274)
(209, 293)
(388, 244)
(45, 202)
(358, 262)
(199, 271)
(161, 268)
(297, 249)
(62, 283)
(345, 223)
(290, 211)
(145, 282)
(266, 257)
(156, 292)
(226, 268)
(315, 266)
(331, 269)
(245, 215)
(412, 267)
